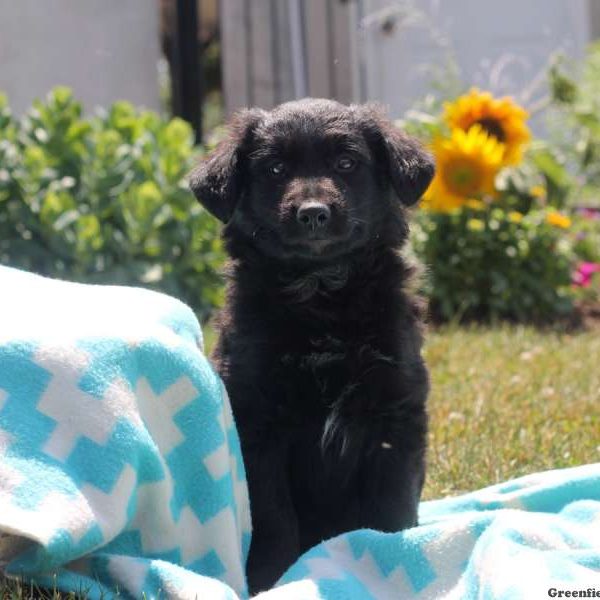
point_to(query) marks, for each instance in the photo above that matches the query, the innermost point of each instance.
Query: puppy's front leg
(274, 546)
(393, 461)
(391, 486)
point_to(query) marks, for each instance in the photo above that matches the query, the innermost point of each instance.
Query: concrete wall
(105, 50)
(503, 46)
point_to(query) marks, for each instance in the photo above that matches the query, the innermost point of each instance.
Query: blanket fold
(121, 472)
(120, 465)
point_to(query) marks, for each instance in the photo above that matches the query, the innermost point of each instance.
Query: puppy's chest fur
(310, 345)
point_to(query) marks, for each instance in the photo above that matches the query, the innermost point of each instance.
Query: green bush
(494, 264)
(586, 239)
(495, 232)
(575, 92)
(103, 200)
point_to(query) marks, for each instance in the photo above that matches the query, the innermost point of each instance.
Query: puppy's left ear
(217, 181)
(409, 167)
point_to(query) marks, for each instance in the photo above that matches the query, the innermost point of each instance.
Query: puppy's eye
(276, 169)
(345, 164)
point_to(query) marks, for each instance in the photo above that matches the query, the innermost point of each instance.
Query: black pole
(186, 67)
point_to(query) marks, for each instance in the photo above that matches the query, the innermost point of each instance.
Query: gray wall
(105, 50)
(502, 46)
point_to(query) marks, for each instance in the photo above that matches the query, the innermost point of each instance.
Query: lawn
(509, 401)
(505, 402)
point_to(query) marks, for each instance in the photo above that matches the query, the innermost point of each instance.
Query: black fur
(320, 342)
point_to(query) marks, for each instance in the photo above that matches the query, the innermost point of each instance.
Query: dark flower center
(494, 128)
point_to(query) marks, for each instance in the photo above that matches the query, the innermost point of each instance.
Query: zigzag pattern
(117, 447)
(120, 467)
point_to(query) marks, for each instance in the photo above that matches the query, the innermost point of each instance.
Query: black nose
(313, 215)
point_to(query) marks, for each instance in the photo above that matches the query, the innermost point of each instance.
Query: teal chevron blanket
(121, 473)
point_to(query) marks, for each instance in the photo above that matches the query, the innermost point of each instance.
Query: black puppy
(320, 342)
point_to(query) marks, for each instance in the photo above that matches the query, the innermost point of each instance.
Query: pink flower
(589, 213)
(583, 276)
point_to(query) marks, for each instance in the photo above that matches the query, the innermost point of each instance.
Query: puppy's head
(312, 179)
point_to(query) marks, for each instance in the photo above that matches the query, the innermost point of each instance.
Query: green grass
(17, 590)
(505, 402)
(509, 401)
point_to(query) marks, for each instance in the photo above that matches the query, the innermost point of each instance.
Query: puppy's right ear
(216, 182)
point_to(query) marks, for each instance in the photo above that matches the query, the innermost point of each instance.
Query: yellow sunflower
(500, 117)
(466, 165)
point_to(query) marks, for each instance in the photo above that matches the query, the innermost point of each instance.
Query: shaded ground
(587, 316)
